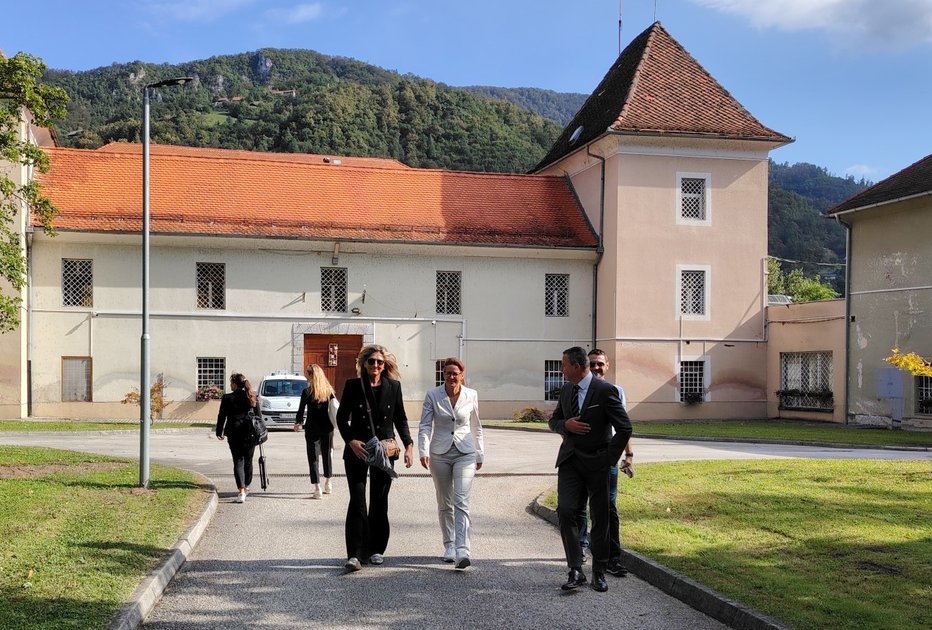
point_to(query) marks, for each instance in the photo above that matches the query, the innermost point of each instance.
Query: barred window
(76, 381)
(77, 282)
(692, 292)
(692, 198)
(211, 285)
(806, 381)
(333, 289)
(448, 292)
(692, 381)
(924, 394)
(553, 379)
(557, 295)
(210, 377)
(438, 372)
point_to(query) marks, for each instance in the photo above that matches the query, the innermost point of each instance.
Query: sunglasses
(595, 364)
(375, 361)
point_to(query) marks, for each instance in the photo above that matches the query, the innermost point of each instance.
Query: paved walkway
(276, 561)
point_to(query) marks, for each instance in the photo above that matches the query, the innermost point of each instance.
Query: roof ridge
(638, 71)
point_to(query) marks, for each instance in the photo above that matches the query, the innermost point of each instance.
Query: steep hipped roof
(657, 87)
(305, 158)
(101, 191)
(913, 181)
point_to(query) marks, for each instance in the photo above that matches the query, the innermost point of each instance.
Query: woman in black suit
(318, 431)
(379, 391)
(233, 423)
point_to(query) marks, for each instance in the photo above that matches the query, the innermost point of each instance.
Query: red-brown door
(336, 354)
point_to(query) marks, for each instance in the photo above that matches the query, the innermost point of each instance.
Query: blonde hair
(321, 389)
(391, 365)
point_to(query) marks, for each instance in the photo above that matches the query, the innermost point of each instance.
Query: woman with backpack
(318, 427)
(234, 423)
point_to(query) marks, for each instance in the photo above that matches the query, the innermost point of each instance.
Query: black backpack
(256, 431)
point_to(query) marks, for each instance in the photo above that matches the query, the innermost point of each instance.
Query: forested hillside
(303, 101)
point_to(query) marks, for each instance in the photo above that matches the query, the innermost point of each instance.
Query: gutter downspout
(600, 250)
(29, 323)
(847, 227)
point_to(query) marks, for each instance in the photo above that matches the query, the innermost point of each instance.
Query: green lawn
(77, 425)
(815, 543)
(78, 536)
(768, 430)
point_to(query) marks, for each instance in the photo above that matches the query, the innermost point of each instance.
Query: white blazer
(443, 425)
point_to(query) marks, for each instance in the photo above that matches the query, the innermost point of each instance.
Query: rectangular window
(553, 379)
(333, 289)
(693, 291)
(924, 394)
(806, 381)
(77, 282)
(692, 381)
(211, 285)
(210, 377)
(557, 295)
(448, 292)
(438, 372)
(692, 193)
(76, 379)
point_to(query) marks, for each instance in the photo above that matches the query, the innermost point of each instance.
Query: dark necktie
(574, 406)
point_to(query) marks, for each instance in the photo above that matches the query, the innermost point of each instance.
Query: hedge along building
(643, 231)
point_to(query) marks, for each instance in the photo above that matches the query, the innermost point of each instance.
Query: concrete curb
(730, 612)
(147, 595)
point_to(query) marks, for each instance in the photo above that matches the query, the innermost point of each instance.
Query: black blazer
(318, 414)
(602, 410)
(353, 421)
(231, 419)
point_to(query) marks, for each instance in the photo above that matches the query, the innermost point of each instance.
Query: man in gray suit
(586, 413)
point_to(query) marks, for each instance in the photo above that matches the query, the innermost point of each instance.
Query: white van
(279, 396)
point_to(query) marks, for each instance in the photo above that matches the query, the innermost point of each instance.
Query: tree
(796, 285)
(20, 92)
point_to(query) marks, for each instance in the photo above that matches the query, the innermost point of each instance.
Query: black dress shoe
(598, 582)
(616, 568)
(575, 580)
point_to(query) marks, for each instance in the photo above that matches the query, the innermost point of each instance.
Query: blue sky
(851, 80)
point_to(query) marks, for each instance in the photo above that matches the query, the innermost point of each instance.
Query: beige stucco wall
(273, 299)
(645, 245)
(806, 327)
(891, 304)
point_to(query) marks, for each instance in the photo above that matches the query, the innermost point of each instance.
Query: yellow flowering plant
(910, 362)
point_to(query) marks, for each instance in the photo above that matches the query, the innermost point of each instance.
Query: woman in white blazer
(450, 442)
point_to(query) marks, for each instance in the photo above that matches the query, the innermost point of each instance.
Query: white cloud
(297, 14)
(196, 10)
(877, 24)
(860, 170)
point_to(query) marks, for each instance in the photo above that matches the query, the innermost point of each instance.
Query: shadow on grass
(26, 612)
(154, 486)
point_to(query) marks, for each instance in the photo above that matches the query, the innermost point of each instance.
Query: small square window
(692, 292)
(448, 292)
(557, 295)
(211, 377)
(692, 381)
(211, 285)
(333, 289)
(553, 379)
(806, 381)
(693, 198)
(924, 394)
(438, 372)
(77, 282)
(76, 373)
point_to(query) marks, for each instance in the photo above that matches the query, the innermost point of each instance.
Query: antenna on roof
(620, 3)
(655, 10)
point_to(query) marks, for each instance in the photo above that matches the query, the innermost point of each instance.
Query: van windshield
(283, 387)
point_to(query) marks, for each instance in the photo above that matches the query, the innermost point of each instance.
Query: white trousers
(453, 473)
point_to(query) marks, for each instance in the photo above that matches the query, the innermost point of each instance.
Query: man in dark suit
(587, 412)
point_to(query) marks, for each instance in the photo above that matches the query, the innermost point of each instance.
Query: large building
(643, 232)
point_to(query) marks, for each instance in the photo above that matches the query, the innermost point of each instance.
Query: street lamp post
(145, 404)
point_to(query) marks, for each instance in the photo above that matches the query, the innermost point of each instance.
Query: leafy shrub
(530, 414)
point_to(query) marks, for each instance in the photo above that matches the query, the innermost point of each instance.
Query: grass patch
(816, 543)
(79, 536)
(767, 430)
(76, 425)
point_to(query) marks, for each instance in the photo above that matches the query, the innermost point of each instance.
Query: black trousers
(319, 446)
(575, 484)
(367, 529)
(242, 463)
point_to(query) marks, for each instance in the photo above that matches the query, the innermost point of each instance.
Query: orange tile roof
(101, 191)
(656, 87)
(232, 154)
(913, 181)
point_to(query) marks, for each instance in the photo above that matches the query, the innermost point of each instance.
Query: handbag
(258, 432)
(332, 407)
(389, 445)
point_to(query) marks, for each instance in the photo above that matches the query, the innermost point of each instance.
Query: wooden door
(336, 354)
